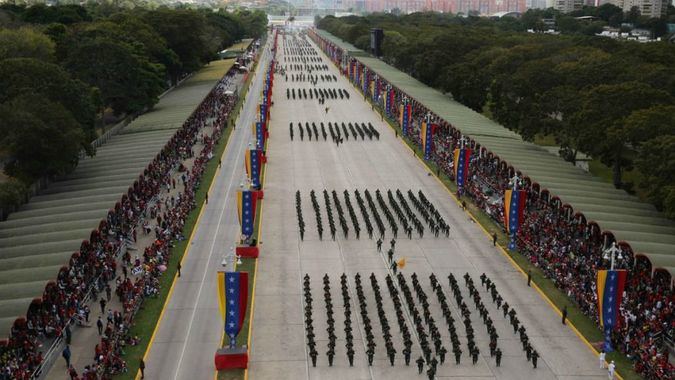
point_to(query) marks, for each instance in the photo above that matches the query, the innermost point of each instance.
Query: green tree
(568, 24)
(12, 194)
(128, 81)
(605, 109)
(183, 30)
(656, 163)
(41, 137)
(25, 43)
(27, 76)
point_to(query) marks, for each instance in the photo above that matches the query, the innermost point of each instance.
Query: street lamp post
(612, 253)
(230, 257)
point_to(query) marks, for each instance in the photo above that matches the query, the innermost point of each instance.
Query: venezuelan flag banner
(246, 206)
(259, 135)
(426, 134)
(461, 167)
(404, 118)
(514, 205)
(233, 300)
(376, 90)
(253, 166)
(392, 98)
(610, 291)
(263, 113)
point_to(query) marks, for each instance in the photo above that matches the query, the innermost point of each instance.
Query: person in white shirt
(602, 359)
(610, 370)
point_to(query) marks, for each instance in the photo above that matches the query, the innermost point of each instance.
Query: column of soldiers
(434, 332)
(309, 328)
(384, 322)
(317, 213)
(387, 213)
(418, 206)
(352, 214)
(402, 325)
(376, 214)
(341, 214)
(367, 327)
(530, 352)
(329, 211)
(419, 328)
(349, 337)
(330, 320)
(419, 227)
(466, 314)
(298, 209)
(449, 320)
(364, 213)
(437, 223)
(485, 315)
(402, 218)
(335, 134)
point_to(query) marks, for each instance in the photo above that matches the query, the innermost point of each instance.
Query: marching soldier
(313, 354)
(420, 364)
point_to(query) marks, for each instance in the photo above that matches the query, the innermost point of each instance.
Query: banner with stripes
(233, 300)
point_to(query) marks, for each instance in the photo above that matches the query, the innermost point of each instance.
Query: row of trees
(612, 100)
(63, 68)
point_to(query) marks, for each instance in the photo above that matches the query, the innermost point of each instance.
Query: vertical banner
(404, 116)
(426, 134)
(610, 291)
(376, 89)
(246, 207)
(461, 167)
(263, 113)
(233, 300)
(253, 162)
(259, 133)
(392, 97)
(514, 205)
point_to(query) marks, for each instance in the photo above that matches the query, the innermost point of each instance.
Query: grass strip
(583, 324)
(148, 316)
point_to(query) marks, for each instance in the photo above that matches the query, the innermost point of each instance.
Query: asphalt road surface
(191, 328)
(278, 342)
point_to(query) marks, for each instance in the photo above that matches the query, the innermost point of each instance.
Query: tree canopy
(63, 67)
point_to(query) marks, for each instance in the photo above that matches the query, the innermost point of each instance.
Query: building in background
(567, 6)
(649, 8)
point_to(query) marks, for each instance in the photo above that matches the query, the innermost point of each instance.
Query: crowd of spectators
(95, 264)
(567, 249)
(169, 213)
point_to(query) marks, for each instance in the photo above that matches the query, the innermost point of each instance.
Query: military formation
(313, 79)
(411, 303)
(392, 213)
(313, 131)
(320, 94)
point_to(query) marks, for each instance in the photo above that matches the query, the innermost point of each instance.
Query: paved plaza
(278, 343)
